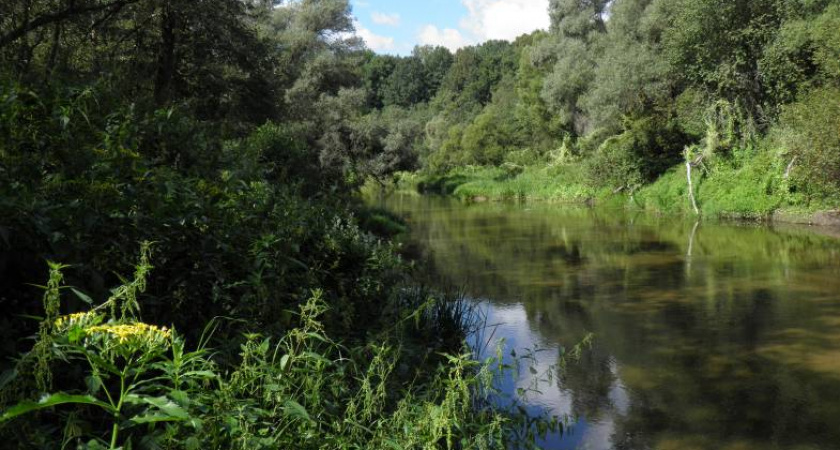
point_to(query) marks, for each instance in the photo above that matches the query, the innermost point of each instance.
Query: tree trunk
(166, 56)
(790, 167)
(691, 188)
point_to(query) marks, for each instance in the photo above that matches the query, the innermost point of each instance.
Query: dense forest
(184, 258)
(618, 96)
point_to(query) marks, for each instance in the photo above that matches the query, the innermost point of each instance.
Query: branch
(790, 167)
(64, 14)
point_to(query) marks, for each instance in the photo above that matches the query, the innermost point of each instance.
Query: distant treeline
(627, 89)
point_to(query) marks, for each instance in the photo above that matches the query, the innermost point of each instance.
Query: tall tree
(572, 51)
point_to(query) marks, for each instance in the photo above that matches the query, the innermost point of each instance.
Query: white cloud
(391, 20)
(504, 19)
(490, 19)
(374, 41)
(447, 37)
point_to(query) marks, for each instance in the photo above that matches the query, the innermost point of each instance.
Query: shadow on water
(707, 336)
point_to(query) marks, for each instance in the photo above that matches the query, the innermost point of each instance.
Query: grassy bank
(473, 183)
(756, 189)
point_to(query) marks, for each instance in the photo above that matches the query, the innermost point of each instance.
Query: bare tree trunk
(790, 167)
(691, 188)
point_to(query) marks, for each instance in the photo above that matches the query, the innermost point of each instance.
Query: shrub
(811, 130)
(646, 149)
(137, 384)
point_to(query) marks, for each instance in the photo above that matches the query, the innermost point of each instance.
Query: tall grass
(139, 386)
(565, 183)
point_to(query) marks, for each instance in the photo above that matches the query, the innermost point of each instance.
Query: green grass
(558, 183)
(752, 189)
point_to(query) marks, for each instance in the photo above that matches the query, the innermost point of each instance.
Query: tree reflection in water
(712, 336)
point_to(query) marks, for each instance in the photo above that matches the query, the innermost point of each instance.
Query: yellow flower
(125, 332)
(128, 338)
(81, 318)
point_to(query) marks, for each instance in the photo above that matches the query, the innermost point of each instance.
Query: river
(705, 335)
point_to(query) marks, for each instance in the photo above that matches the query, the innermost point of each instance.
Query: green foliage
(565, 183)
(803, 54)
(474, 74)
(128, 373)
(630, 97)
(138, 386)
(751, 191)
(645, 149)
(408, 81)
(728, 189)
(375, 74)
(669, 194)
(234, 135)
(811, 132)
(615, 165)
(406, 85)
(571, 51)
(494, 132)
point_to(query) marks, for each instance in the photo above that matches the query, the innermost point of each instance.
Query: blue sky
(396, 26)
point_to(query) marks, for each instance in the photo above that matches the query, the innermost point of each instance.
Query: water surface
(706, 336)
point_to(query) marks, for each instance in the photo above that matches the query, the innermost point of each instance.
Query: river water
(705, 335)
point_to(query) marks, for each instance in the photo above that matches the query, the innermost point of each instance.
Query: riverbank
(756, 191)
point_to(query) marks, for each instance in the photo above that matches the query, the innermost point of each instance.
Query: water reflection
(707, 336)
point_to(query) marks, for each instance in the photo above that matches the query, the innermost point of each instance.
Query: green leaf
(192, 443)
(295, 409)
(82, 296)
(75, 334)
(180, 397)
(152, 417)
(393, 444)
(48, 401)
(316, 357)
(101, 363)
(167, 408)
(200, 374)
(94, 383)
(317, 336)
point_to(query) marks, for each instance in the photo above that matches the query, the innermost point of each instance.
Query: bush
(137, 384)
(750, 191)
(615, 165)
(246, 233)
(810, 128)
(645, 150)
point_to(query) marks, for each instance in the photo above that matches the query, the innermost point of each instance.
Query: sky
(396, 26)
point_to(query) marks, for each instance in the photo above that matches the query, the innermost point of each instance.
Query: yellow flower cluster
(127, 332)
(73, 319)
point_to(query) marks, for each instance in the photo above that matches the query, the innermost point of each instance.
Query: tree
(375, 74)
(436, 61)
(408, 84)
(575, 26)
(717, 45)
